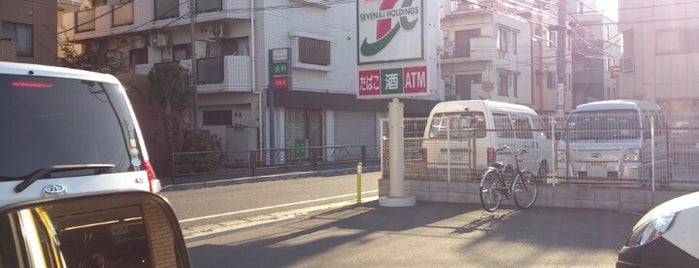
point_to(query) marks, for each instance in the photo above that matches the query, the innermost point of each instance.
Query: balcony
(482, 49)
(116, 19)
(219, 74)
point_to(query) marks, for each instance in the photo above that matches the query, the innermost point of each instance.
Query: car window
(457, 125)
(523, 129)
(503, 125)
(54, 121)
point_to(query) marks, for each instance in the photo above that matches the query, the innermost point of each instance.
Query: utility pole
(561, 59)
(192, 14)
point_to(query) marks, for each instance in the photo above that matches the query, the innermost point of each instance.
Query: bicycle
(523, 185)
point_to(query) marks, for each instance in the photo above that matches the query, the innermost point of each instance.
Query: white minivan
(614, 139)
(66, 131)
(465, 135)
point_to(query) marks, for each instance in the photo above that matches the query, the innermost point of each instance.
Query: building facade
(595, 52)
(28, 32)
(486, 55)
(232, 43)
(660, 53)
(503, 50)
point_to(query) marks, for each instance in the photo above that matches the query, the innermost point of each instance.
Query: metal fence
(611, 148)
(253, 161)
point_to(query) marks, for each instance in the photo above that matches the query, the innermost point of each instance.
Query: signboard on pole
(392, 36)
(390, 30)
(279, 63)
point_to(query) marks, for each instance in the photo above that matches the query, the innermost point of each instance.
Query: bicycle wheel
(491, 195)
(525, 189)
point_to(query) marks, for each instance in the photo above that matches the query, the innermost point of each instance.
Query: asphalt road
(426, 235)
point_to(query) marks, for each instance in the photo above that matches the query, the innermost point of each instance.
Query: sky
(609, 8)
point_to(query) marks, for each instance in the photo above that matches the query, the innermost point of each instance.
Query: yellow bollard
(359, 182)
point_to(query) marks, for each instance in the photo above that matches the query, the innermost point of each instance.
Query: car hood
(673, 205)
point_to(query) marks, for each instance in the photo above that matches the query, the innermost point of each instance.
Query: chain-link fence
(608, 148)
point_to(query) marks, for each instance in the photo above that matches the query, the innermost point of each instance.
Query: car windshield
(603, 125)
(55, 121)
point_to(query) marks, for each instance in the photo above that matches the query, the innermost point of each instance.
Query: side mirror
(121, 229)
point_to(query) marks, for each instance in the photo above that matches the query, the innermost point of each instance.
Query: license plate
(596, 165)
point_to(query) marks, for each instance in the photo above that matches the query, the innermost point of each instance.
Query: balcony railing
(210, 70)
(221, 74)
(85, 20)
(108, 20)
(122, 14)
(482, 48)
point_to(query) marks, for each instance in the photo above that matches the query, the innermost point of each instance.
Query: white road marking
(272, 207)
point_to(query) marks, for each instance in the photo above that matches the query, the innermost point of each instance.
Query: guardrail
(252, 161)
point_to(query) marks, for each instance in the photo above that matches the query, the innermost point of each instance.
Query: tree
(171, 98)
(97, 60)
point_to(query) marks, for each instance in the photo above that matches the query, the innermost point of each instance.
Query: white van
(614, 139)
(465, 135)
(66, 131)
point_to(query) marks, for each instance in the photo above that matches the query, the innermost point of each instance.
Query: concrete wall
(561, 195)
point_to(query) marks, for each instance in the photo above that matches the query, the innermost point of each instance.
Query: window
(514, 42)
(463, 42)
(22, 35)
(550, 80)
(457, 125)
(217, 118)
(550, 38)
(503, 84)
(503, 127)
(502, 40)
(514, 85)
(523, 129)
(138, 56)
(181, 52)
(314, 51)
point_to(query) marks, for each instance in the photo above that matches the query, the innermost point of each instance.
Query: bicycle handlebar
(506, 147)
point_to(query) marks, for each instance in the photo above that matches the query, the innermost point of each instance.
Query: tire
(525, 189)
(491, 190)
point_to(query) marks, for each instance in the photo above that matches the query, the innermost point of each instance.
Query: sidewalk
(230, 178)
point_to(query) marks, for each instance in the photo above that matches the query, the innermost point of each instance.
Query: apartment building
(486, 54)
(660, 48)
(502, 50)
(28, 32)
(596, 50)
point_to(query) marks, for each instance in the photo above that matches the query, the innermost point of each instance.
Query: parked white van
(614, 139)
(66, 131)
(465, 135)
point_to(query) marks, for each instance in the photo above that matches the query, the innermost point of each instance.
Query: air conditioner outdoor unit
(158, 40)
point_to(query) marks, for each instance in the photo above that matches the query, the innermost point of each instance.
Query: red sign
(370, 83)
(614, 72)
(415, 79)
(280, 82)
